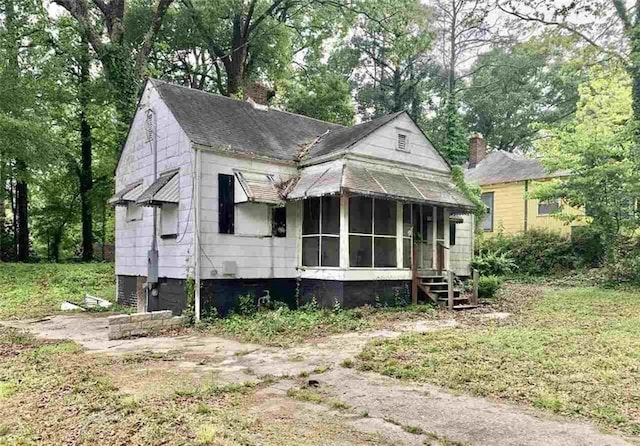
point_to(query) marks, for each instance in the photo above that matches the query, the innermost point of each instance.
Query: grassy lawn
(54, 393)
(571, 351)
(35, 290)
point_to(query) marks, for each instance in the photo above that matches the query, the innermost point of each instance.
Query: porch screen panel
(407, 235)
(372, 233)
(226, 204)
(321, 232)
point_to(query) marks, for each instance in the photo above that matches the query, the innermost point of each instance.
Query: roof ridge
(242, 101)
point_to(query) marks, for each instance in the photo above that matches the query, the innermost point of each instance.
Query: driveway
(399, 412)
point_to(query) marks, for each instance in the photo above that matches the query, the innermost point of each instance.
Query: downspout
(152, 255)
(196, 232)
(526, 205)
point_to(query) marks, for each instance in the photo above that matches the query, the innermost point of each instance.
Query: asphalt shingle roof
(221, 122)
(505, 167)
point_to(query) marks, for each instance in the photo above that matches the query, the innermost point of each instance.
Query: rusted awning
(127, 195)
(165, 190)
(393, 184)
(258, 188)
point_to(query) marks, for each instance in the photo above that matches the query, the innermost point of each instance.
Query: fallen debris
(68, 306)
(94, 301)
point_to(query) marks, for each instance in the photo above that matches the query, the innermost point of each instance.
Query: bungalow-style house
(242, 199)
(507, 181)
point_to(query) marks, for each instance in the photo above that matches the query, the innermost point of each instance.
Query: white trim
(356, 274)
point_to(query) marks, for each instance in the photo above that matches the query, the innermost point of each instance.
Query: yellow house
(507, 181)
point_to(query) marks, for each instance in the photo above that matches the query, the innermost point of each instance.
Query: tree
(595, 148)
(514, 87)
(393, 38)
(102, 24)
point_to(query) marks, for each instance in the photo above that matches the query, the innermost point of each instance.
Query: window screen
(372, 233)
(134, 212)
(321, 232)
(168, 220)
(548, 207)
(452, 234)
(226, 204)
(487, 221)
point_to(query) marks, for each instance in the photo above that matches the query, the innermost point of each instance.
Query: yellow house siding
(509, 200)
(508, 207)
(550, 222)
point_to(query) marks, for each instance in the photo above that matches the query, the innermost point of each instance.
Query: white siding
(256, 256)
(462, 253)
(382, 144)
(133, 239)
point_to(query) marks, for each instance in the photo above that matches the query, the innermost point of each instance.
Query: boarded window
(226, 204)
(548, 207)
(321, 232)
(452, 234)
(279, 222)
(134, 212)
(487, 221)
(168, 220)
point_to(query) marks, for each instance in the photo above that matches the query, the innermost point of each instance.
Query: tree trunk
(3, 213)
(86, 172)
(22, 212)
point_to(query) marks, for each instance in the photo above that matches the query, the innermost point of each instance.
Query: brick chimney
(477, 149)
(258, 92)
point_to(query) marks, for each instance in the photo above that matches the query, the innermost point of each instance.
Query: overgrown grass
(35, 290)
(284, 327)
(572, 352)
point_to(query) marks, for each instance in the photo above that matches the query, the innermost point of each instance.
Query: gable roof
(505, 167)
(345, 137)
(220, 122)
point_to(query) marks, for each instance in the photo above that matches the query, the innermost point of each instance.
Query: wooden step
(444, 291)
(465, 307)
(435, 283)
(445, 299)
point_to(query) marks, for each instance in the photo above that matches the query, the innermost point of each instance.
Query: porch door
(423, 235)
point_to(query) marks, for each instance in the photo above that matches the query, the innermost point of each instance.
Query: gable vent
(402, 142)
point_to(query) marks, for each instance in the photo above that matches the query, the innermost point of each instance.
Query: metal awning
(165, 190)
(258, 188)
(127, 195)
(393, 184)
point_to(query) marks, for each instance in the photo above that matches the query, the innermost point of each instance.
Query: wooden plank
(476, 278)
(450, 290)
(414, 275)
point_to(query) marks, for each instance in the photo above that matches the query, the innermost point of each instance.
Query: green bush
(624, 264)
(535, 252)
(488, 286)
(493, 263)
(588, 246)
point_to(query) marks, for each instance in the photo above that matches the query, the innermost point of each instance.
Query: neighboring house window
(452, 234)
(548, 207)
(226, 203)
(407, 230)
(279, 222)
(402, 143)
(169, 220)
(321, 232)
(372, 232)
(134, 212)
(487, 221)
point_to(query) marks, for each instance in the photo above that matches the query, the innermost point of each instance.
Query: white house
(247, 199)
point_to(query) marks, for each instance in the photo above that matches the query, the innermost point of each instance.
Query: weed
(339, 405)
(364, 413)
(305, 395)
(417, 430)
(347, 363)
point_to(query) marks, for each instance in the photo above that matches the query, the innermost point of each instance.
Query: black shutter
(225, 203)
(452, 234)
(279, 222)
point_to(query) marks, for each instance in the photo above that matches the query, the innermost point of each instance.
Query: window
(403, 142)
(372, 233)
(407, 233)
(548, 207)
(279, 222)
(226, 221)
(134, 212)
(487, 221)
(169, 220)
(321, 232)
